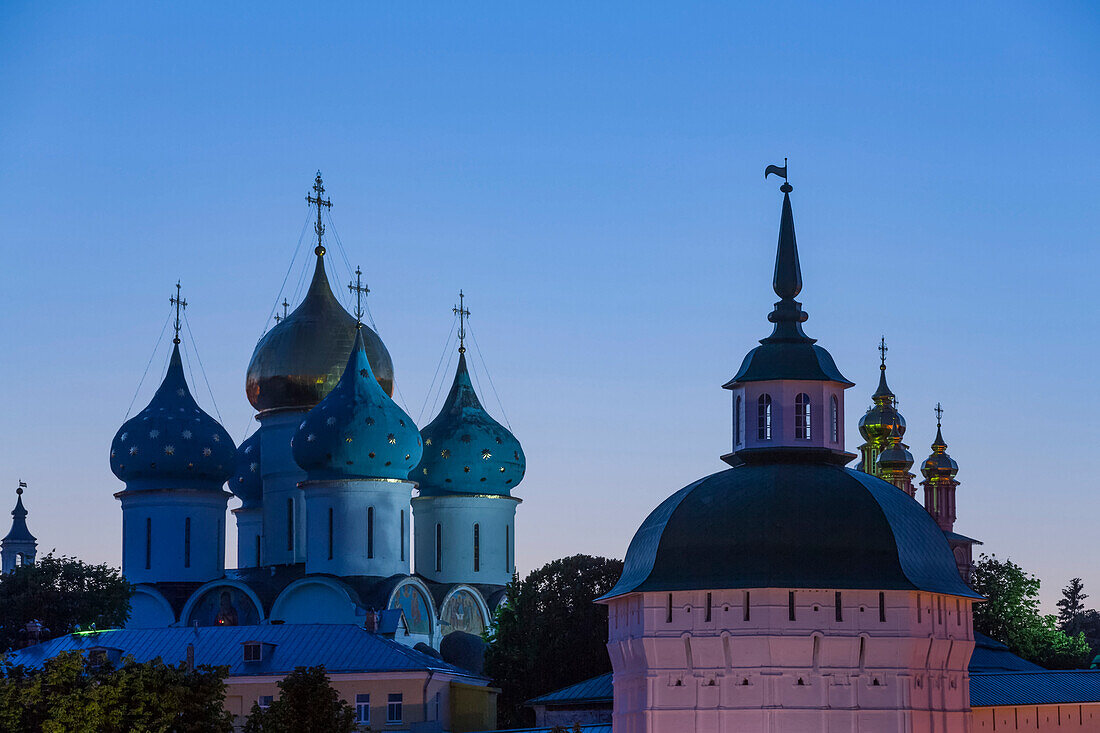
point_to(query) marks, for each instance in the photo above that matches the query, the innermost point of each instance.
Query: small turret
(939, 471)
(881, 419)
(19, 546)
(893, 464)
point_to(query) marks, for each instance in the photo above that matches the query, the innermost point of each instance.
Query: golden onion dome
(301, 359)
(882, 417)
(939, 465)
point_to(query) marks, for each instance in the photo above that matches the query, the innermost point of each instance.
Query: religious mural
(417, 614)
(461, 612)
(224, 606)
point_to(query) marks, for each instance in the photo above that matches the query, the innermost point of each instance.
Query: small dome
(896, 457)
(300, 360)
(247, 484)
(357, 431)
(465, 450)
(172, 443)
(939, 464)
(881, 418)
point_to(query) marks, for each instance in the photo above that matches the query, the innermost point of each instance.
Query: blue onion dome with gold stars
(357, 431)
(939, 465)
(896, 457)
(172, 443)
(466, 451)
(246, 483)
(300, 360)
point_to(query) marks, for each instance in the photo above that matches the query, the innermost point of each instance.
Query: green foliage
(549, 634)
(1011, 615)
(307, 703)
(62, 593)
(69, 695)
(1071, 606)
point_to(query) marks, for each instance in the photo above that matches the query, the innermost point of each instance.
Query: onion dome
(790, 524)
(466, 451)
(939, 464)
(357, 431)
(300, 360)
(246, 484)
(896, 458)
(882, 417)
(19, 531)
(172, 443)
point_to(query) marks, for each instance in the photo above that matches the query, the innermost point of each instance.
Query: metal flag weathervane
(318, 201)
(179, 302)
(463, 313)
(780, 171)
(360, 290)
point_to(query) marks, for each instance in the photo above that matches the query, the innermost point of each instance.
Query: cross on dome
(180, 303)
(360, 290)
(319, 202)
(463, 313)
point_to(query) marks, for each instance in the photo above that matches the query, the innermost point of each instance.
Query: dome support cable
(431, 385)
(202, 369)
(282, 287)
(500, 404)
(152, 356)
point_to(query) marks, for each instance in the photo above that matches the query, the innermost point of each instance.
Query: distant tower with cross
(19, 546)
(879, 425)
(465, 513)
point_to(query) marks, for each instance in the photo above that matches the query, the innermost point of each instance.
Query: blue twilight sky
(590, 174)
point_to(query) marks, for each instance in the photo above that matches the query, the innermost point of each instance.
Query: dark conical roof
(19, 531)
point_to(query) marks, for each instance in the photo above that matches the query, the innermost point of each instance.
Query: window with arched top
(802, 417)
(477, 548)
(370, 533)
(764, 417)
(438, 548)
(834, 419)
(738, 438)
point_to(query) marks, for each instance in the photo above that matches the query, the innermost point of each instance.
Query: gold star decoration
(486, 455)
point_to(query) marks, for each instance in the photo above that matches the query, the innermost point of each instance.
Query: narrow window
(802, 417)
(958, 613)
(746, 609)
(817, 652)
(393, 708)
(881, 607)
(370, 532)
(834, 420)
(330, 533)
(148, 543)
(187, 542)
(258, 563)
(939, 609)
(668, 612)
(477, 548)
(919, 609)
(790, 605)
(708, 607)
(362, 709)
(402, 534)
(764, 417)
(862, 652)
(264, 701)
(439, 548)
(507, 549)
(737, 437)
(839, 607)
(290, 524)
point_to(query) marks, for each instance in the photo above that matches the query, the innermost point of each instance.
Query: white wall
(457, 515)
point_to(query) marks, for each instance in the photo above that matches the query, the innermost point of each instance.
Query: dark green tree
(550, 633)
(1072, 606)
(307, 703)
(70, 695)
(63, 594)
(1011, 615)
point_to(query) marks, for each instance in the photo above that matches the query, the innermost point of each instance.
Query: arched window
(477, 548)
(834, 419)
(187, 542)
(737, 437)
(802, 417)
(402, 534)
(439, 548)
(370, 533)
(507, 549)
(19, 560)
(148, 543)
(764, 417)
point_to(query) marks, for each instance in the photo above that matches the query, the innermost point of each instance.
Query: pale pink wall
(1042, 718)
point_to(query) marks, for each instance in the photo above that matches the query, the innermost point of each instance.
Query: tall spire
(19, 531)
(883, 395)
(463, 313)
(19, 546)
(180, 303)
(788, 315)
(320, 202)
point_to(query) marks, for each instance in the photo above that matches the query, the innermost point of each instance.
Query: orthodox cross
(463, 313)
(360, 290)
(882, 349)
(179, 302)
(318, 201)
(939, 414)
(285, 306)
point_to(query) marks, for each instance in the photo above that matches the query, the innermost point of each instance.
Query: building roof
(340, 648)
(590, 728)
(786, 524)
(19, 531)
(961, 538)
(991, 655)
(1042, 687)
(596, 689)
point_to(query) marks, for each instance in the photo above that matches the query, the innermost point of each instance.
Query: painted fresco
(417, 614)
(462, 613)
(224, 606)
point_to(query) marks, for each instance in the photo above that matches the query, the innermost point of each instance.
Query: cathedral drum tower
(789, 593)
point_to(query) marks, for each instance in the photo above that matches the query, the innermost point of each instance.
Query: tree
(307, 703)
(1072, 606)
(1011, 615)
(70, 695)
(63, 594)
(550, 633)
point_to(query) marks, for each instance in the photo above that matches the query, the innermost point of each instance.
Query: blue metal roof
(1044, 687)
(596, 689)
(592, 728)
(338, 647)
(962, 538)
(991, 655)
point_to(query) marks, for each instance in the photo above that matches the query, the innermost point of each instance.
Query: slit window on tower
(187, 542)
(258, 551)
(839, 602)
(477, 548)
(148, 543)
(802, 417)
(746, 604)
(668, 610)
(709, 602)
(881, 607)
(507, 549)
(370, 533)
(402, 534)
(764, 417)
(834, 419)
(290, 524)
(737, 436)
(439, 548)
(330, 533)
(790, 605)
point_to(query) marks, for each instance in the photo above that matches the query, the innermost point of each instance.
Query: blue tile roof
(596, 689)
(1044, 687)
(339, 647)
(991, 655)
(592, 728)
